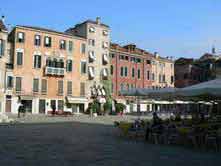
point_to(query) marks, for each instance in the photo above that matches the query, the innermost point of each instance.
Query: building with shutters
(97, 36)
(47, 70)
(4, 57)
(132, 67)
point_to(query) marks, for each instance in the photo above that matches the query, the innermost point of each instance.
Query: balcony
(54, 71)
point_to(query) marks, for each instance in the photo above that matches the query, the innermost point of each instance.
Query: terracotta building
(132, 67)
(48, 70)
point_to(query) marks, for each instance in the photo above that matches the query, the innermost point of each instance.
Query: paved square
(81, 144)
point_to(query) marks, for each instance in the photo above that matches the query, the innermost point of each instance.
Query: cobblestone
(82, 141)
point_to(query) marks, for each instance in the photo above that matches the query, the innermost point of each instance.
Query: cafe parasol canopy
(210, 88)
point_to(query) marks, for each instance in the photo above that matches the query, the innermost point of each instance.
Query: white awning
(105, 58)
(92, 55)
(104, 72)
(91, 71)
(103, 92)
(99, 92)
(105, 44)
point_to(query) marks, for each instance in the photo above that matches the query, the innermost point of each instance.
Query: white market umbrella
(210, 88)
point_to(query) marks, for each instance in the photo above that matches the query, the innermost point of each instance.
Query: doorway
(42, 106)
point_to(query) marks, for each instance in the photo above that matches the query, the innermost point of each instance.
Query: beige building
(3, 61)
(162, 72)
(47, 70)
(97, 35)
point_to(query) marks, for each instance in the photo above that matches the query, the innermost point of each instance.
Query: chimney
(3, 18)
(156, 54)
(98, 20)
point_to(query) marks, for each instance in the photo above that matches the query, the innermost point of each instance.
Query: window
(138, 73)
(133, 72)
(60, 105)
(126, 58)
(21, 37)
(122, 71)
(91, 42)
(125, 71)
(121, 57)
(132, 59)
(112, 55)
(148, 62)
(148, 75)
(121, 87)
(44, 86)
(83, 48)
(164, 78)
(9, 82)
(18, 83)
(60, 87)
(105, 32)
(47, 41)
(69, 88)
(70, 46)
(37, 61)
(105, 44)
(2, 47)
(82, 89)
(111, 69)
(138, 60)
(35, 84)
(160, 78)
(19, 58)
(37, 41)
(62, 44)
(92, 29)
(153, 77)
(83, 67)
(172, 79)
(69, 65)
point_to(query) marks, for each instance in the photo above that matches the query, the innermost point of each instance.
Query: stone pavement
(87, 142)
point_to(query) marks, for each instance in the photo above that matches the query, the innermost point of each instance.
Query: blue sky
(171, 27)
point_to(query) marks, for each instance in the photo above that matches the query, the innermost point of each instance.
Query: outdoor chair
(211, 140)
(173, 136)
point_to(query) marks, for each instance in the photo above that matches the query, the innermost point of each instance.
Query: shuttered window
(138, 73)
(37, 40)
(35, 85)
(60, 105)
(83, 48)
(2, 47)
(47, 41)
(18, 83)
(69, 88)
(19, 58)
(60, 87)
(70, 46)
(83, 67)
(82, 89)
(69, 65)
(44, 86)
(37, 61)
(21, 37)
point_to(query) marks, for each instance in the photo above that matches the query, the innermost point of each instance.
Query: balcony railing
(54, 71)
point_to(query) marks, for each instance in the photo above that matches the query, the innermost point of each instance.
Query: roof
(46, 30)
(2, 26)
(92, 22)
(132, 49)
